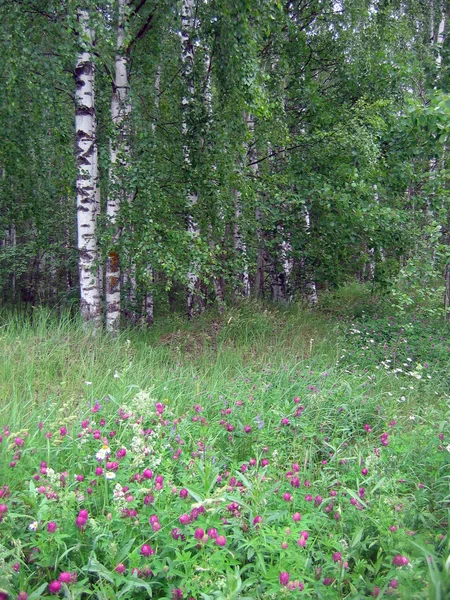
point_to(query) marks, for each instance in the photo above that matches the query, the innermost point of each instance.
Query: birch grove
(191, 186)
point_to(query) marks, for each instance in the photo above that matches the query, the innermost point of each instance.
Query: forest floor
(263, 453)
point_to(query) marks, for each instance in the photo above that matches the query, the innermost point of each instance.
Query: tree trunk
(87, 176)
(148, 305)
(240, 248)
(194, 301)
(252, 156)
(310, 284)
(120, 109)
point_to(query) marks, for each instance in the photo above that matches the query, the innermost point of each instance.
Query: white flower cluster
(143, 403)
(119, 496)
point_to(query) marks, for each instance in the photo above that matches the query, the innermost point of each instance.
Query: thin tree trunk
(240, 248)
(86, 182)
(120, 109)
(310, 284)
(148, 305)
(288, 264)
(252, 156)
(194, 300)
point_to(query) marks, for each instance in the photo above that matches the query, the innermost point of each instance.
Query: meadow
(264, 453)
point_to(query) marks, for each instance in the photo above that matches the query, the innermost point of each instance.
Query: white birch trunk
(310, 284)
(86, 182)
(288, 264)
(120, 109)
(252, 159)
(218, 282)
(193, 298)
(148, 305)
(240, 248)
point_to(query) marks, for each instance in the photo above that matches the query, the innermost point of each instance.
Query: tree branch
(143, 30)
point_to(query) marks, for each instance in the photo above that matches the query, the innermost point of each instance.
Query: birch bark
(310, 284)
(240, 248)
(194, 301)
(120, 109)
(87, 178)
(148, 305)
(260, 259)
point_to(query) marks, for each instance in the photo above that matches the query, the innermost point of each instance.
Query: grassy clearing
(293, 457)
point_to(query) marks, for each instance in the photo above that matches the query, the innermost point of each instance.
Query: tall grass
(47, 360)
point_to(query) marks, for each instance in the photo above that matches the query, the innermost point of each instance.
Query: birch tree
(119, 150)
(194, 300)
(87, 176)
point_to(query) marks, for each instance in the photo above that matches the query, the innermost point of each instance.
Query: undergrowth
(262, 453)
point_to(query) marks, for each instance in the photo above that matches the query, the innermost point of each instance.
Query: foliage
(349, 110)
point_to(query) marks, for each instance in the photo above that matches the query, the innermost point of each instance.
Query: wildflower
(364, 471)
(328, 581)
(147, 550)
(399, 560)
(22, 596)
(184, 493)
(287, 497)
(257, 520)
(51, 527)
(54, 587)
(284, 545)
(103, 453)
(199, 533)
(33, 526)
(295, 585)
(185, 519)
(212, 532)
(110, 475)
(284, 578)
(221, 540)
(121, 453)
(337, 556)
(148, 473)
(296, 517)
(65, 577)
